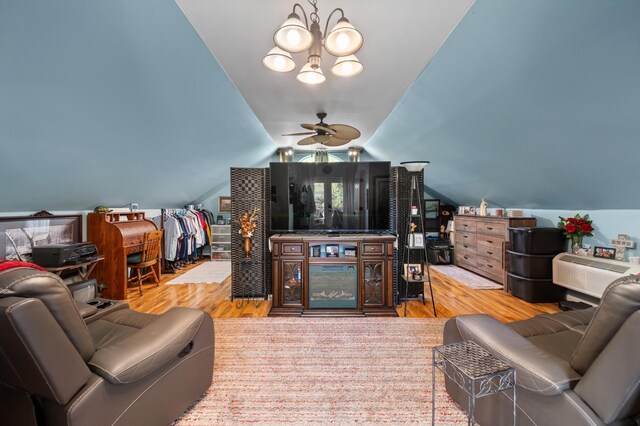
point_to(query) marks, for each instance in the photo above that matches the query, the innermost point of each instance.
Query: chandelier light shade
(343, 39)
(347, 66)
(414, 166)
(279, 60)
(297, 36)
(293, 36)
(310, 75)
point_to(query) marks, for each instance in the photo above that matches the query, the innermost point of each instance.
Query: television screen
(343, 197)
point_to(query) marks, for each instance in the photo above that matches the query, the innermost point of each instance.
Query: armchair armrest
(538, 370)
(143, 352)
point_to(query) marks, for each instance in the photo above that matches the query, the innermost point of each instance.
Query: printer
(52, 255)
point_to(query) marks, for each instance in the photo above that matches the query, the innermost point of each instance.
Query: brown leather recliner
(116, 366)
(573, 368)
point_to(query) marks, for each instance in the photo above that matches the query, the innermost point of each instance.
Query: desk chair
(148, 258)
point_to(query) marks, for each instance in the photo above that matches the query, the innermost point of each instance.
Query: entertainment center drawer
(291, 249)
(372, 248)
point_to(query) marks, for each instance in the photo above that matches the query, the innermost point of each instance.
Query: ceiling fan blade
(321, 138)
(308, 126)
(336, 142)
(299, 134)
(344, 131)
(307, 141)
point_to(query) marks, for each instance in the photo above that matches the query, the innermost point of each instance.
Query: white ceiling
(400, 40)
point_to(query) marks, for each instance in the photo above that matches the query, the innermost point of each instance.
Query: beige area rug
(209, 272)
(467, 278)
(324, 371)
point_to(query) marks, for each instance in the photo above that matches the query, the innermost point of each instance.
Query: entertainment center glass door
(333, 285)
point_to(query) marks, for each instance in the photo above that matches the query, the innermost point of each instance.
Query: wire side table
(475, 371)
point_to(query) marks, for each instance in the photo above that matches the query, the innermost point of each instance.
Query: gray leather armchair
(115, 366)
(573, 368)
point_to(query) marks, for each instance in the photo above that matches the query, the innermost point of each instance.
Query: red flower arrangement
(576, 227)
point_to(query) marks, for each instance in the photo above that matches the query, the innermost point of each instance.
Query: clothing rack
(202, 224)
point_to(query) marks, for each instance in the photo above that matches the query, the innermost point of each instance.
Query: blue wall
(607, 224)
(113, 102)
(528, 103)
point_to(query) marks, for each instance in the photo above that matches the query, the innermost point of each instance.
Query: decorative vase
(576, 243)
(246, 247)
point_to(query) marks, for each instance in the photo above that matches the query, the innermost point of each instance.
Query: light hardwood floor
(452, 298)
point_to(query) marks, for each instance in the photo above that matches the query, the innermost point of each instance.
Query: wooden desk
(79, 267)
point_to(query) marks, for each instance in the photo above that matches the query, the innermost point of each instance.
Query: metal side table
(475, 371)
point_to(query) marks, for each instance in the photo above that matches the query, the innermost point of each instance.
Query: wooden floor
(452, 298)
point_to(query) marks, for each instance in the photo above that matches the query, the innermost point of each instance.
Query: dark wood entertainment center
(332, 275)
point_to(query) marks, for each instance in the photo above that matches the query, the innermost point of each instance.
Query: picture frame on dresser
(19, 234)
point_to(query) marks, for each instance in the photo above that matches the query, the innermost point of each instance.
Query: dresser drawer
(470, 247)
(372, 248)
(291, 249)
(489, 265)
(491, 241)
(490, 252)
(465, 259)
(463, 224)
(490, 227)
(466, 238)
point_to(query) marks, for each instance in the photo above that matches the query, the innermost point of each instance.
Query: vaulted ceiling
(530, 104)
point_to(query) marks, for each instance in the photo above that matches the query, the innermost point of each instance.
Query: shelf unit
(220, 242)
(413, 254)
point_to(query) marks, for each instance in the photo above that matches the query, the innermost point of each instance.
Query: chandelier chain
(314, 15)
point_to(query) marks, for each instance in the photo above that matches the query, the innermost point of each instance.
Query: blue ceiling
(529, 104)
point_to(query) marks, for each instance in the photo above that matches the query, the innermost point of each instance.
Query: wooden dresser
(481, 243)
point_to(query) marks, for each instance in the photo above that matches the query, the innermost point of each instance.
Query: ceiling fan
(326, 134)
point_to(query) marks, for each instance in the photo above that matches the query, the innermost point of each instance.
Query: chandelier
(295, 36)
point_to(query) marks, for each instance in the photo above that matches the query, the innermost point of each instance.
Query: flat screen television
(323, 197)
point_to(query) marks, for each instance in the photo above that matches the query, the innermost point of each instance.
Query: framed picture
(431, 209)
(418, 240)
(412, 268)
(224, 204)
(19, 235)
(604, 252)
(332, 250)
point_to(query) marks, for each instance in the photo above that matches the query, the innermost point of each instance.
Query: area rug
(209, 272)
(324, 371)
(467, 278)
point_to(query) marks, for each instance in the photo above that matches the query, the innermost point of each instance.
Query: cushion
(620, 300)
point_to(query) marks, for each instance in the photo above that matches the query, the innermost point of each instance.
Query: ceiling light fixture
(295, 36)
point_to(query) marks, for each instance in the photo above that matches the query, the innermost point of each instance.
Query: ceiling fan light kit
(295, 36)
